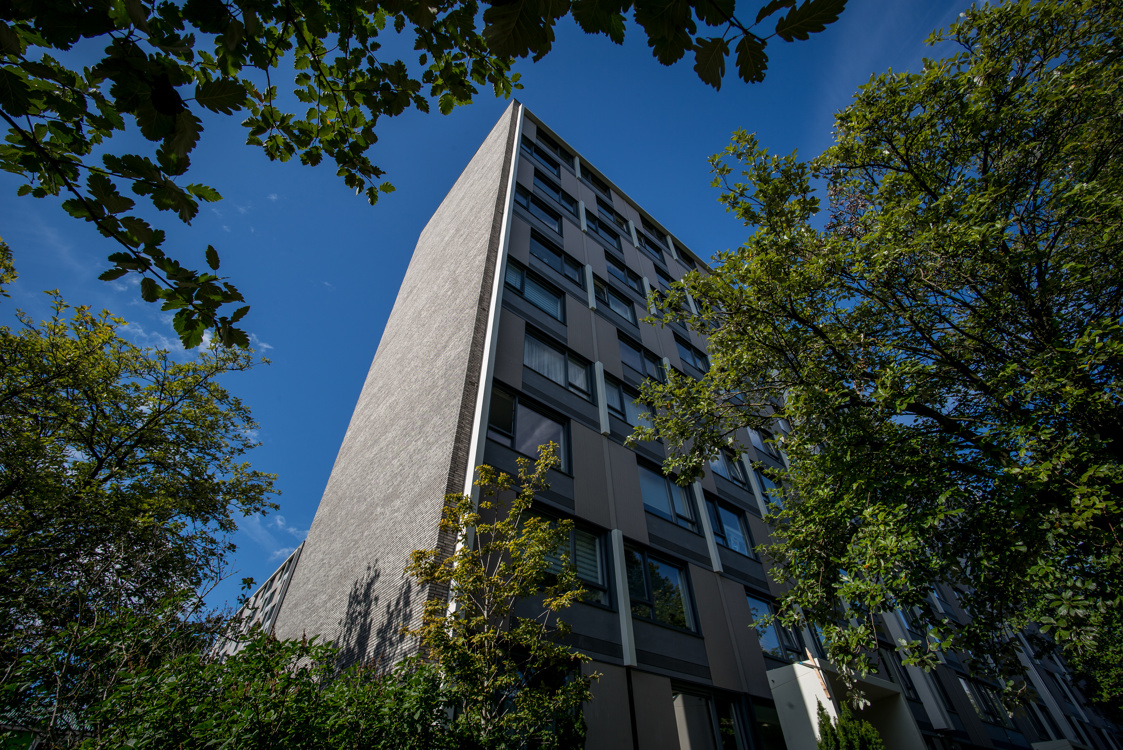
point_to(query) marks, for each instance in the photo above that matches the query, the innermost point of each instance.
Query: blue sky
(321, 268)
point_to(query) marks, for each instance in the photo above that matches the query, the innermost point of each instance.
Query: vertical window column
(623, 596)
(758, 491)
(584, 222)
(602, 398)
(589, 287)
(632, 233)
(708, 531)
(647, 295)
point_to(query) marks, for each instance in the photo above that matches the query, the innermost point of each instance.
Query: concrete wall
(408, 441)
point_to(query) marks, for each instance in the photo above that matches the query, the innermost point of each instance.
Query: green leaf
(669, 28)
(113, 273)
(106, 193)
(809, 18)
(212, 257)
(709, 60)
(752, 61)
(715, 12)
(149, 290)
(15, 96)
(772, 7)
(10, 43)
(203, 192)
(517, 29)
(600, 17)
(223, 95)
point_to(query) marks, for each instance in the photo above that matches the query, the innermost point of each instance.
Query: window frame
(536, 150)
(510, 439)
(789, 642)
(622, 273)
(536, 207)
(596, 182)
(557, 259)
(647, 245)
(569, 362)
(545, 286)
(714, 507)
(649, 598)
(555, 191)
(732, 468)
(606, 293)
(628, 396)
(609, 212)
(692, 355)
(597, 226)
(684, 513)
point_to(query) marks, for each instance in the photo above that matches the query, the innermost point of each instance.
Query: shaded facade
(519, 322)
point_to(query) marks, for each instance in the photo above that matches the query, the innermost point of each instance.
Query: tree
(510, 678)
(166, 65)
(281, 695)
(943, 354)
(847, 733)
(119, 484)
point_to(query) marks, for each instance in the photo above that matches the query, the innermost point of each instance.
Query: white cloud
(272, 196)
(258, 344)
(255, 528)
(280, 554)
(279, 523)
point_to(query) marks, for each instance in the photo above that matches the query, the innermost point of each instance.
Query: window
(730, 529)
(664, 498)
(621, 402)
(686, 260)
(769, 490)
(555, 148)
(562, 368)
(564, 264)
(615, 301)
(658, 590)
(538, 208)
(595, 182)
(692, 356)
(536, 292)
(725, 465)
(587, 557)
(523, 428)
(648, 246)
(764, 441)
(540, 153)
(707, 721)
(665, 279)
(626, 275)
(550, 188)
(776, 640)
(641, 360)
(599, 228)
(611, 214)
(655, 231)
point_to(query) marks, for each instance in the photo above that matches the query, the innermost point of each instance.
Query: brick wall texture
(408, 440)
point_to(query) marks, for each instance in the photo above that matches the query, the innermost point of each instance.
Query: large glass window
(524, 428)
(707, 722)
(600, 228)
(611, 214)
(538, 208)
(621, 400)
(624, 274)
(730, 528)
(556, 259)
(541, 154)
(769, 489)
(555, 148)
(776, 640)
(648, 246)
(615, 301)
(587, 556)
(550, 188)
(725, 465)
(658, 590)
(692, 356)
(536, 292)
(665, 498)
(560, 367)
(641, 360)
(595, 182)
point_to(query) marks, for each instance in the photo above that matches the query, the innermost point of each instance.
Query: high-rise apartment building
(520, 321)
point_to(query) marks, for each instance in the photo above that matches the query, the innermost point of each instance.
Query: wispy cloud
(280, 554)
(272, 196)
(281, 524)
(258, 344)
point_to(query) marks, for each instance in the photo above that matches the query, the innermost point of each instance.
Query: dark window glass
(769, 489)
(768, 726)
(631, 355)
(560, 367)
(538, 293)
(728, 466)
(548, 187)
(524, 428)
(766, 634)
(621, 401)
(610, 214)
(538, 208)
(596, 182)
(692, 356)
(541, 155)
(730, 529)
(653, 230)
(665, 498)
(599, 228)
(557, 260)
(658, 590)
(648, 246)
(555, 148)
(625, 275)
(615, 301)
(586, 555)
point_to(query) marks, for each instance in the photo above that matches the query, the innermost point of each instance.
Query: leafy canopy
(120, 481)
(75, 77)
(511, 679)
(946, 348)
